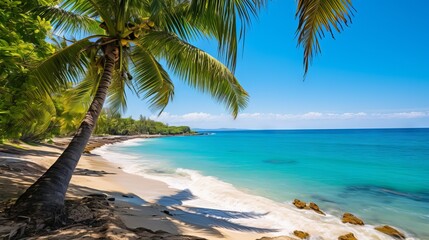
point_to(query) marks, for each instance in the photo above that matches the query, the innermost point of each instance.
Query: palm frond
(117, 97)
(65, 66)
(69, 22)
(172, 16)
(96, 9)
(138, 8)
(198, 69)
(317, 16)
(227, 20)
(151, 79)
(82, 93)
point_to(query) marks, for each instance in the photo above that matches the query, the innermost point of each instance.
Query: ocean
(380, 175)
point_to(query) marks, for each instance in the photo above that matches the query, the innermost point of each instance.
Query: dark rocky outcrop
(302, 205)
(316, 208)
(301, 234)
(352, 219)
(390, 231)
(349, 236)
(299, 204)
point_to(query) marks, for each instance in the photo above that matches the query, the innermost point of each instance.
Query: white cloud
(304, 120)
(401, 115)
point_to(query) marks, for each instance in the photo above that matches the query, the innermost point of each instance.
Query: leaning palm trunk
(45, 198)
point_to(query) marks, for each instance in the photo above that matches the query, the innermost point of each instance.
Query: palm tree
(122, 44)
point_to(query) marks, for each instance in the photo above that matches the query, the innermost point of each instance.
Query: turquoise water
(381, 175)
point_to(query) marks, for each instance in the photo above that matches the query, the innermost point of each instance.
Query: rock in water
(316, 208)
(352, 219)
(348, 236)
(390, 231)
(301, 234)
(299, 204)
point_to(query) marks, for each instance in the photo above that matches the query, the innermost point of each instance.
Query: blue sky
(374, 74)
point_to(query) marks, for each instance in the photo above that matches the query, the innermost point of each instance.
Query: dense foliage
(22, 43)
(113, 124)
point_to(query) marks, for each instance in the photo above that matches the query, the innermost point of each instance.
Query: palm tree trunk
(45, 198)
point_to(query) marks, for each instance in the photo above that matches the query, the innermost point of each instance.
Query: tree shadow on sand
(207, 219)
(16, 175)
(22, 152)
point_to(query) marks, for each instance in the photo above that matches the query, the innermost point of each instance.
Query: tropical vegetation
(111, 123)
(101, 48)
(22, 43)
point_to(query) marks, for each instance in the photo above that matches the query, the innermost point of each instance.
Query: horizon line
(299, 129)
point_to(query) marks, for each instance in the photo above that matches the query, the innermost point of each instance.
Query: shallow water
(381, 175)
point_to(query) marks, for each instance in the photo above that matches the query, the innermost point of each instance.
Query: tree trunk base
(29, 219)
(15, 226)
(37, 210)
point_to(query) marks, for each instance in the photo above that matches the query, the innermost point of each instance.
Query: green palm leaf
(68, 64)
(83, 92)
(117, 97)
(151, 78)
(227, 20)
(69, 22)
(198, 69)
(96, 9)
(317, 16)
(174, 17)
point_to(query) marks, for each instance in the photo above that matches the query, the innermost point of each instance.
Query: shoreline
(137, 202)
(244, 203)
